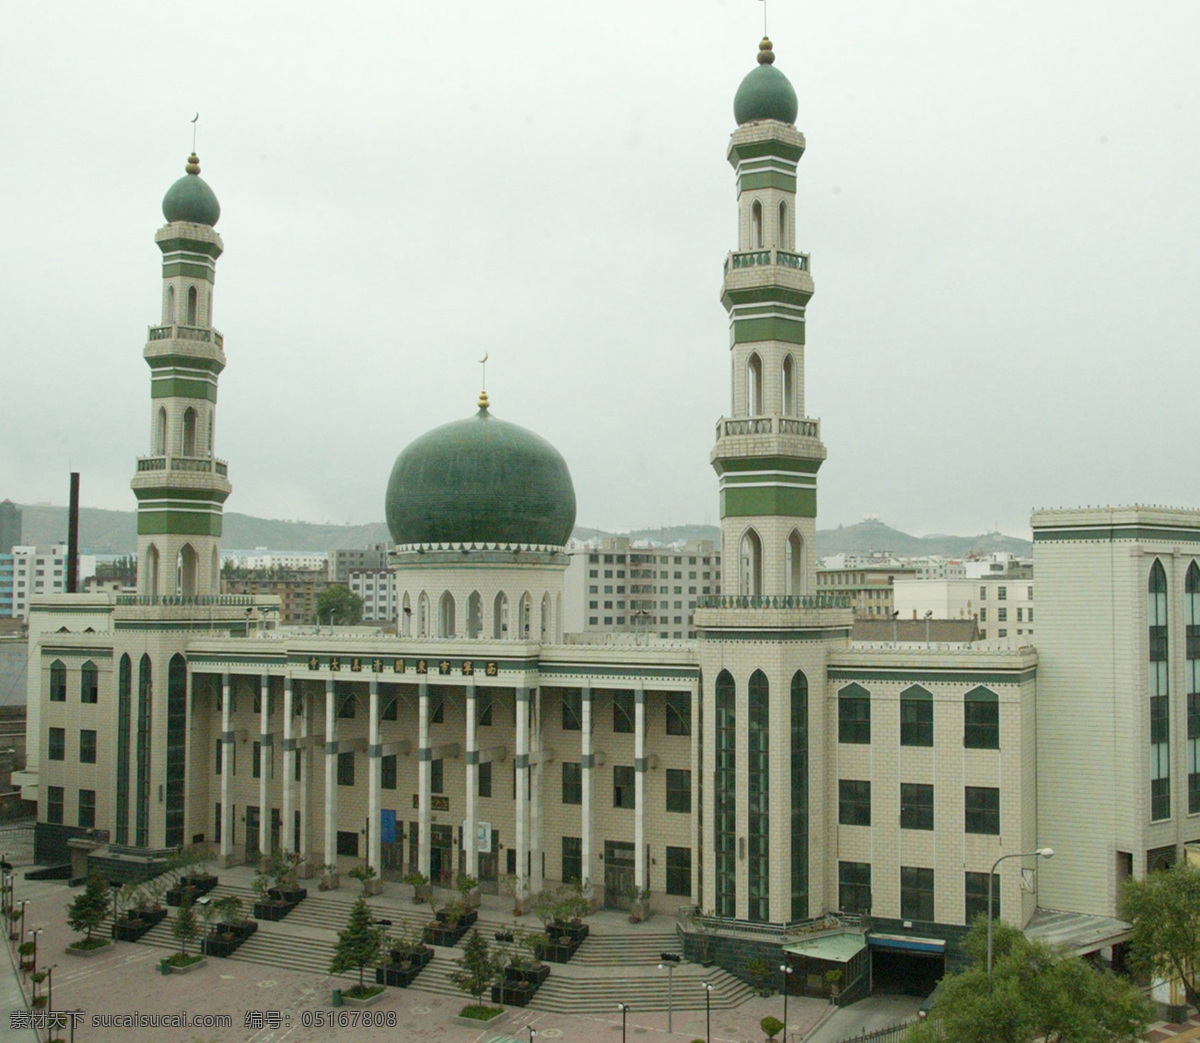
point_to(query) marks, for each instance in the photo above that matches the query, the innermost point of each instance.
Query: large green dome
(480, 480)
(190, 198)
(765, 93)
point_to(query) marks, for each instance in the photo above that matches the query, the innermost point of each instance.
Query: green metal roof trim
(480, 480)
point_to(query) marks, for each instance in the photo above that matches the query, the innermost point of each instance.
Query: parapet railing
(761, 258)
(200, 333)
(768, 425)
(773, 601)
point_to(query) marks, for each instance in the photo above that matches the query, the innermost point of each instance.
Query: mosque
(787, 785)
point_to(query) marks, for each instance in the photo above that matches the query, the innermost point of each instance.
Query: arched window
(186, 569)
(1160, 701)
(526, 616)
(446, 615)
(547, 620)
(785, 240)
(406, 616)
(797, 567)
(750, 564)
(981, 719)
(215, 572)
(758, 779)
(1191, 615)
(160, 432)
(474, 615)
(89, 683)
(191, 307)
(149, 571)
(189, 432)
(558, 619)
(725, 796)
(169, 313)
(916, 716)
(788, 403)
(756, 226)
(500, 616)
(754, 385)
(124, 718)
(799, 752)
(58, 681)
(211, 443)
(423, 615)
(854, 714)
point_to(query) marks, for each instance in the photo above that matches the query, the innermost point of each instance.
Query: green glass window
(87, 808)
(679, 713)
(679, 871)
(854, 802)
(725, 802)
(916, 805)
(799, 794)
(176, 751)
(916, 894)
(981, 720)
(345, 769)
(572, 709)
(854, 887)
(624, 793)
(982, 805)
(124, 717)
(679, 790)
(1191, 668)
(87, 746)
(58, 682)
(1160, 703)
(484, 780)
(54, 805)
(623, 711)
(572, 860)
(387, 771)
(572, 783)
(916, 717)
(89, 683)
(854, 714)
(758, 779)
(976, 888)
(57, 746)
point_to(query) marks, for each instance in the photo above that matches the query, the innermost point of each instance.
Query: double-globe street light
(787, 972)
(670, 960)
(1041, 852)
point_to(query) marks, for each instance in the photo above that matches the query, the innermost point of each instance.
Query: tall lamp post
(624, 1009)
(787, 972)
(670, 960)
(1041, 852)
(707, 1011)
(34, 935)
(24, 902)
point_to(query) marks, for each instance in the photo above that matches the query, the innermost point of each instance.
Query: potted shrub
(365, 875)
(419, 882)
(358, 945)
(450, 923)
(86, 913)
(468, 887)
(230, 930)
(185, 928)
(143, 911)
(38, 1001)
(26, 950)
(330, 880)
(477, 970)
(13, 916)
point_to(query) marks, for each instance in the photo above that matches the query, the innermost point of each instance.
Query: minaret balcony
(200, 333)
(762, 258)
(194, 464)
(769, 425)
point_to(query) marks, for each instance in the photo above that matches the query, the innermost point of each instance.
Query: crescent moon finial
(483, 395)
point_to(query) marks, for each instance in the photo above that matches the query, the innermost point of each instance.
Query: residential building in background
(31, 571)
(375, 557)
(10, 526)
(263, 560)
(296, 589)
(377, 588)
(867, 585)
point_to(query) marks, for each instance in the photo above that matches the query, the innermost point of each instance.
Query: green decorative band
(588, 760)
(752, 181)
(778, 327)
(766, 293)
(185, 256)
(331, 748)
(472, 757)
(289, 745)
(768, 501)
(190, 271)
(1019, 675)
(49, 648)
(375, 750)
(552, 672)
(179, 387)
(768, 479)
(1112, 533)
(169, 496)
(192, 246)
(203, 360)
(425, 753)
(178, 523)
(762, 463)
(772, 147)
(266, 739)
(639, 764)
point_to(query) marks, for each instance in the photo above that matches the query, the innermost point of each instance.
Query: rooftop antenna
(196, 117)
(483, 395)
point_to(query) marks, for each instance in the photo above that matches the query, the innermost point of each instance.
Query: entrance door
(391, 845)
(441, 866)
(252, 851)
(618, 874)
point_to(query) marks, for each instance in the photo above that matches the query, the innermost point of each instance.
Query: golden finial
(483, 400)
(193, 164)
(766, 54)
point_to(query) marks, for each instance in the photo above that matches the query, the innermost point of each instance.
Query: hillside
(115, 532)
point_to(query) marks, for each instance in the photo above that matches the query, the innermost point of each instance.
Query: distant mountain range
(115, 532)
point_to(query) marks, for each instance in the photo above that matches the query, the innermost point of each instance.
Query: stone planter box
(458, 1019)
(449, 937)
(190, 886)
(72, 951)
(353, 1001)
(295, 895)
(466, 920)
(130, 927)
(560, 953)
(224, 941)
(395, 975)
(188, 968)
(272, 911)
(513, 995)
(418, 959)
(534, 976)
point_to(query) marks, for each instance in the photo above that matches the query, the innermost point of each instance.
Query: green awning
(836, 948)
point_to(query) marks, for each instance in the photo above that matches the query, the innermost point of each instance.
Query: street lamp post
(35, 938)
(24, 902)
(670, 962)
(532, 1032)
(707, 1011)
(624, 1009)
(50, 988)
(787, 973)
(1041, 852)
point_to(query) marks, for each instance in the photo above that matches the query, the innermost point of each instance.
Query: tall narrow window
(785, 239)
(191, 306)
(89, 683)
(916, 894)
(981, 720)
(474, 614)
(854, 887)
(725, 804)
(423, 615)
(124, 717)
(547, 619)
(500, 616)
(176, 748)
(756, 226)
(189, 432)
(142, 810)
(1192, 676)
(186, 569)
(526, 615)
(799, 790)
(854, 714)
(1159, 685)
(58, 681)
(796, 572)
(758, 779)
(754, 385)
(446, 615)
(149, 574)
(160, 431)
(750, 566)
(916, 717)
(169, 313)
(788, 398)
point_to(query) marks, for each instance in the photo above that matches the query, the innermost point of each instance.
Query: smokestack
(73, 537)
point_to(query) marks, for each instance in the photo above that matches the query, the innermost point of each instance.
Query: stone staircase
(607, 969)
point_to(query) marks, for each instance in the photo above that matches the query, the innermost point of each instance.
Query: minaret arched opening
(160, 432)
(784, 240)
(788, 397)
(169, 313)
(500, 616)
(796, 571)
(446, 615)
(750, 557)
(185, 571)
(754, 385)
(189, 431)
(756, 225)
(526, 616)
(406, 616)
(423, 615)
(192, 301)
(474, 614)
(149, 571)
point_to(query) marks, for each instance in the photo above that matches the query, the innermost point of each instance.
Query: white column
(535, 794)
(226, 771)
(470, 845)
(330, 775)
(374, 781)
(424, 780)
(306, 763)
(587, 761)
(639, 787)
(521, 767)
(289, 771)
(264, 744)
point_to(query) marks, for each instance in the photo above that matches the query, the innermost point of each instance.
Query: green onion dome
(190, 198)
(480, 481)
(765, 93)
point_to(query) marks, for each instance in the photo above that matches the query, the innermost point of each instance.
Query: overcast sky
(1000, 199)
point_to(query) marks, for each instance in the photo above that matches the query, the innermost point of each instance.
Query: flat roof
(837, 948)
(1080, 932)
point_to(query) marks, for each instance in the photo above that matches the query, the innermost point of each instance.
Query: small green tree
(771, 1026)
(339, 606)
(477, 967)
(89, 908)
(1164, 910)
(185, 926)
(359, 943)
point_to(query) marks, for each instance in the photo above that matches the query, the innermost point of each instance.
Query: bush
(771, 1026)
(480, 1012)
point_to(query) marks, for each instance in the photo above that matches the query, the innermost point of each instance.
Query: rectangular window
(679, 871)
(982, 810)
(679, 713)
(256, 764)
(623, 789)
(572, 860)
(1002, 615)
(1001, 593)
(58, 744)
(854, 887)
(572, 710)
(54, 805)
(345, 769)
(679, 790)
(854, 715)
(58, 683)
(572, 782)
(347, 842)
(976, 888)
(854, 802)
(623, 711)
(217, 825)
(916, 894)
(916, 805)
(916, 718)
(1020, 615)
(983, 615)
(296, 759)
(387, 771)
(87, 808)
(484, 780)
(437, 776)
(89, 685)
(983, 593)
(981, 720)
(87, 746)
